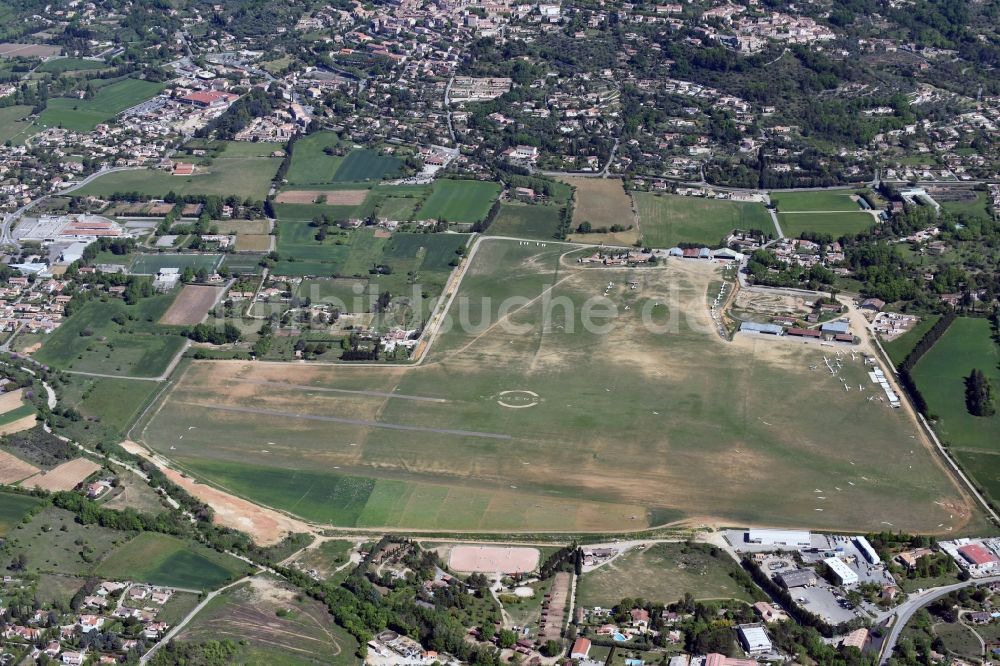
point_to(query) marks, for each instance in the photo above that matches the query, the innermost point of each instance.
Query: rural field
(91, 341)
(13, 508)
(232, 173)
(274, 624)
(602, 202)
(940, 377)
(191, 305)
(534, 422)
(362, 164)
(901, 347)
(61, 65)
(310, 165)
(85, 114)
(161, 559)
(459, 200)
(540, 222)
(664, 573)
(13, 126)
(666, 220)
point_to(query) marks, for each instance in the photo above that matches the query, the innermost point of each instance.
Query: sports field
(663, 573)
(459, 201)
(526, 221)
(825, 200)
(161, 559)
(602, 202)
(836, 224)
(150, 264)
(85, 114)
(666, 220)
(13, 126)
(534, 422)
(243, 176)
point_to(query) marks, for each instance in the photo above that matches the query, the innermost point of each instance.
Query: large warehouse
(843, 573)
(790, 538)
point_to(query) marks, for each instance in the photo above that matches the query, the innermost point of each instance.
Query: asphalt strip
(357, 422)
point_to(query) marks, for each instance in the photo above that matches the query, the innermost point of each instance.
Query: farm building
(754, 639)
(754, 327)
(792, 538)
(843, 573)
(797, 578)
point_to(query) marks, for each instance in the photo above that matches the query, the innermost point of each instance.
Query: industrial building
(797, 578)
(866, 549)
(754, 327)
(790, 538)
(844, 574)
(754, 639)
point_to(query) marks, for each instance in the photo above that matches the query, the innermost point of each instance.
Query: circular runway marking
(518, 399)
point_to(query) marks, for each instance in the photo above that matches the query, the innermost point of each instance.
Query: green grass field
(53, 542)
(108, 406)
(90, 341)
(13, 127)
(826, 200)
(362, 164)
(13, 508)
(243, 176)
(459, 201)
(273, 624)
(977, 207)
(161, 559)
(940, 377)
(540, 222)
(150, 264)
(83, 115)
(310, 165)
(666, 220)
(61, 65)
(15, 414)
(835, 224)
(637, 422)
(663, 573)
(901, 347)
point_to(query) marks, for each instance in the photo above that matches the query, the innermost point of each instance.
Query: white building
(866, 549)
(843, 573)
(791, 538)
(166, 279)
(754, 639)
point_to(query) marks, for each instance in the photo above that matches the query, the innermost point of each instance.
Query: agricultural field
(84, 114)
(108, 406)
(90, 341)
(274, 624)
(620, 426)
(13, 126)
(820, 200)
(667, 220)
(602, 202)
(231, 173)
(150, 264)
(459, 201)
(836, 224)
(664, 573)
(310, 165)
(62, 65)
(540, 222)
(362, 164)
(13, 509)
(940, 377)
(161, 559)
(192, 305)
(901, 347)
(241, 227)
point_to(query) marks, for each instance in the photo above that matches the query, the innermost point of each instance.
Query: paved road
(905, 610)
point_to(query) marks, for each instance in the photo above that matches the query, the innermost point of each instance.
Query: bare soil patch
(13, 50)
(330, 197)
(191, 306)
(254, 243)
(493, 559)
(12, 400)
(13, 469)
(22, 423)
(66, 476)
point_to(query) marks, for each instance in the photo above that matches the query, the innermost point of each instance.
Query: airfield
(522, 421)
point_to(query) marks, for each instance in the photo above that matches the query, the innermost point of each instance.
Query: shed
(835, 327)
(754, 327)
